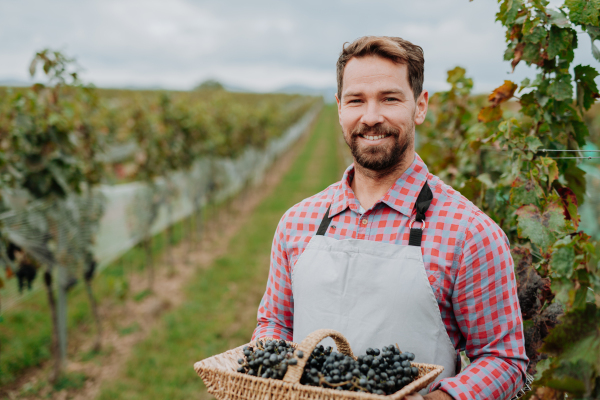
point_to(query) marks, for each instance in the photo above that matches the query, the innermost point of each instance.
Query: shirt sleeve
(276, 311)
(486, 308)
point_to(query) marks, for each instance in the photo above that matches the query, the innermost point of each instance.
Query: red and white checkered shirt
(468, 263)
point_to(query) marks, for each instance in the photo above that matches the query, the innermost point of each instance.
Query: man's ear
(421, 107)
(339, 104)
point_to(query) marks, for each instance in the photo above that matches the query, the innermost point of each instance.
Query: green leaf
(584, 12)
(559, 19)
(561, 87)
(575, 179)
(531, 53)
(454, 75)
(595, 52)
(577, 337)
(525, 191)
(587, 90)
(533, 143)
(560, 40)
(536, 35)
(563, 257)
(540, 228)
(508, 11)
(581, 132)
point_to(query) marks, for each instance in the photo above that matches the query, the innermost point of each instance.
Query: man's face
(378, 112)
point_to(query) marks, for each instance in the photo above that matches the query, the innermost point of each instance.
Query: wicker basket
(220, 375)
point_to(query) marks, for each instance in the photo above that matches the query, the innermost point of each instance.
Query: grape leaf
(569, 205)
(577, 337)
(503, 93)
(454, 75)
(549, 166)
(594, 33)
(540, 228)
(581, 132)
(561, 87)
(563, 257)
(517, 55)
(559, 19)
(575, 178)
(508, 11)
(584, 12)
(488, 114)
(525, 191)
(587, 90)
(533, 143)
(560, 40)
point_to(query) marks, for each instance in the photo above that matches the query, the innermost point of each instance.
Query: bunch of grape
(379, 372)
(269, 359)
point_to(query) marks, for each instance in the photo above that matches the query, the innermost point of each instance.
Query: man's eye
(391, 99)
(354, 101)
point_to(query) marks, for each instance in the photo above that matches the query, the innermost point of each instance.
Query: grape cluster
(379, 372)
(268, 359)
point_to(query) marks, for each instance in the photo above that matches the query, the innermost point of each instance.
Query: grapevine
(513, 159)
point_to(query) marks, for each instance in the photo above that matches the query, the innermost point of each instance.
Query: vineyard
(153, 187)
(87, 175)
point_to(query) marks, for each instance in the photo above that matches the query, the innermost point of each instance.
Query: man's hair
(395, 49)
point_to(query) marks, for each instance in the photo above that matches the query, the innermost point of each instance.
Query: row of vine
(59, 139)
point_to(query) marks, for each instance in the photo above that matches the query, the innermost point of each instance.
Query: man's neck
(370, 186)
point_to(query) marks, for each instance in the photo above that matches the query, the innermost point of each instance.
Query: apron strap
(421, 206)
(416, 234)
(324, 223)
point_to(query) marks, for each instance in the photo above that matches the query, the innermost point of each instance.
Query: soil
(142, 315)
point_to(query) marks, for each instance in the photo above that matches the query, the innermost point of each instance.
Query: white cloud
(260, 44)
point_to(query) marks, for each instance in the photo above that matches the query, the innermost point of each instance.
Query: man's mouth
(372, 137)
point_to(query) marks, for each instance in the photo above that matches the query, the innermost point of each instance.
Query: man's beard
(382, 157)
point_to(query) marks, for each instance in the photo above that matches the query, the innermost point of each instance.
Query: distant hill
(14, 82)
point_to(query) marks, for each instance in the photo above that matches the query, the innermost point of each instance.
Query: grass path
(221, 301)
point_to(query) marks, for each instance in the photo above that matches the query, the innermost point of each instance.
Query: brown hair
(395, 49)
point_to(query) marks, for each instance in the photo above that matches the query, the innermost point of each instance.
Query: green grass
(221, 301)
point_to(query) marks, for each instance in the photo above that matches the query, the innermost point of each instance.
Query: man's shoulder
(450, 203)
(312, 208)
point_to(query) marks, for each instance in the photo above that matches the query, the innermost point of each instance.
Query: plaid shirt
(468, 262)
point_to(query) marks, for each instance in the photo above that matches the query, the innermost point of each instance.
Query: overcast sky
(259, 44)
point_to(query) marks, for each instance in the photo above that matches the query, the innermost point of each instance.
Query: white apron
(374, 293)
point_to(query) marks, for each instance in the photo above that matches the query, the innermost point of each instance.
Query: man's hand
(435, 395)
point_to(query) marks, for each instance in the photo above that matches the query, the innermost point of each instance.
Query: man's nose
(372, 115)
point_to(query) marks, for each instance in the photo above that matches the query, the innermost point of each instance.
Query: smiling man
(391, 254)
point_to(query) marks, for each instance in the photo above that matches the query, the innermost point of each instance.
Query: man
(390, 254)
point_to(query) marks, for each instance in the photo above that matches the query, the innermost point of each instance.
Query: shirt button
(364, 221)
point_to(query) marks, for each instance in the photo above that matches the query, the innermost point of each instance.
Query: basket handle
(294, 372)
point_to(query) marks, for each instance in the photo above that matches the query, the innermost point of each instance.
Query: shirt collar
(402, 196)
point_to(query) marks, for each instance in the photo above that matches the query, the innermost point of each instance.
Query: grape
(378, 371)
